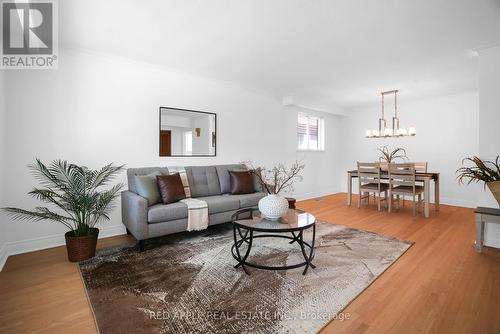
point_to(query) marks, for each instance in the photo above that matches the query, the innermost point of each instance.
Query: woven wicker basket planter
(81, 248)
(495, 189)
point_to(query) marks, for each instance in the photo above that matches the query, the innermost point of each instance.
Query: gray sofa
(208, 183)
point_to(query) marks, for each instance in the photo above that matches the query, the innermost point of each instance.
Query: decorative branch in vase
(387, 157)
(398, 153)
(274, 182)
(482, 171)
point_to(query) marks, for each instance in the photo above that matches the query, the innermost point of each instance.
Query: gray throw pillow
(256, 184)
(148, 188)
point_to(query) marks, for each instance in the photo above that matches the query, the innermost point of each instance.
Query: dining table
(426, 178)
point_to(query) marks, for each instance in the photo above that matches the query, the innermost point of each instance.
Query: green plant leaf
(74, 191)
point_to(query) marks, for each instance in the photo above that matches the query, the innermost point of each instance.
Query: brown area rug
(186, 283)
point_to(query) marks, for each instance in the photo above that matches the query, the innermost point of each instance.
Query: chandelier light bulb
(375, 133)
(412, 131)
(368, 133)
(387, 132)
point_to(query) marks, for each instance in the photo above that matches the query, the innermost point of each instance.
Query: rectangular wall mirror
(187, 133)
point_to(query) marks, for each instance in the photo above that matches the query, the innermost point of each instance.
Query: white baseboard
(445, 200)
(457, 202)
(35, 244)
(315, 194)
(3, 255)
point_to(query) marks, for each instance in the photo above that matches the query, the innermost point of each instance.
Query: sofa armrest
(135, 214)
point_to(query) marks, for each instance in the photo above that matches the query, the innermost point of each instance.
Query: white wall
(322, 168)
(447, 131)
(96, 109)
(489, 121)
(3, 127)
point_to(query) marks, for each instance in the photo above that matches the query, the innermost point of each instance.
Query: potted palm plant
(78, 198)
(482, 171)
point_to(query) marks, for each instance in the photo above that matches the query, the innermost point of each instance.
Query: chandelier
(384, 131)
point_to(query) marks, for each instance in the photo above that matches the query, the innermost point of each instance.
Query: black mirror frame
(214, 136)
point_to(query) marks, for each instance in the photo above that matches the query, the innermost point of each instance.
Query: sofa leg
(141, 245)
(128, 232)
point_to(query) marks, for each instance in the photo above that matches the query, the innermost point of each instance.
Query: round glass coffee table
(248, 221)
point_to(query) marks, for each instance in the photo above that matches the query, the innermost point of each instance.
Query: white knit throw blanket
(197, 209)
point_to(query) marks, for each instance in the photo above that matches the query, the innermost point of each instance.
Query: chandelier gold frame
(387, 132)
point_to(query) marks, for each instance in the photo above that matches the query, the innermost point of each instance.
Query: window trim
(185, 143)
(321, 132)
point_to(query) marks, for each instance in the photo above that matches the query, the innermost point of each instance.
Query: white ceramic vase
(273, 206)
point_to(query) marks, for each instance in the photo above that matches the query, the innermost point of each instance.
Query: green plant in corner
(389, 157)
(76, 193)
(481, 171)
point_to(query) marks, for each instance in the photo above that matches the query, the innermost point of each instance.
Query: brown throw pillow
(241, 182)
(171, 188)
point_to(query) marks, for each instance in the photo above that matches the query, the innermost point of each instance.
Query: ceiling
(338, 53)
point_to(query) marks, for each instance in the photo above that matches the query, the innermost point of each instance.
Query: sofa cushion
(160, 213)
(241, 182)
(147, 187)
(221, 203)
(249, 200)
(223, 174)
(256, 182)
(132, 172)
(203, 181)
(171, 188)
(225, 180)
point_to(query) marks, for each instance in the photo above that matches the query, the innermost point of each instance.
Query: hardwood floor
(441, 285)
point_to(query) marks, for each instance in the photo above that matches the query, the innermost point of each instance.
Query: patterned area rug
(186, 283)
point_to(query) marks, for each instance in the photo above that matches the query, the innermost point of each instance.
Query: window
(310, 133)
(188, 142)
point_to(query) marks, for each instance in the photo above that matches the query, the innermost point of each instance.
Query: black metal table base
(248, 237)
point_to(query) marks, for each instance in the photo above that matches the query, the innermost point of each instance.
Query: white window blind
(310, 133)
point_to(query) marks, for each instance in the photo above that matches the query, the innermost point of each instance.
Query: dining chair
(421, 167)
(402, 183)
(370, 182)
(384, 166)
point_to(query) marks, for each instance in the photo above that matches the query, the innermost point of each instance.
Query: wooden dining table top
(385, 174)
